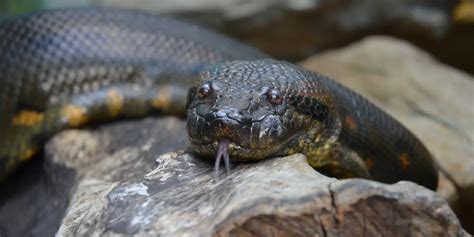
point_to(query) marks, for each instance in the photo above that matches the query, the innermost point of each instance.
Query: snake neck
(317, 144)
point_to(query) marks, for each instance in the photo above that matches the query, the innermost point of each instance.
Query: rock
(117, 151)
(433, 100)
(122, 190)
(183, 196)
(114, 181)
(34, 200)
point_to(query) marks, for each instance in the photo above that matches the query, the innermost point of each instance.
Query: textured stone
(127, 188)
(433, 100)
(183, 196)
(33, 201)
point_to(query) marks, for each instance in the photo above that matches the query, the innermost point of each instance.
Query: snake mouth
(223, 148)
(235, 152)
(235, 134)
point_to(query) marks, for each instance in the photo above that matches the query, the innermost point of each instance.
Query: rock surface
(122, 192)
(34, 200)
(433, 100)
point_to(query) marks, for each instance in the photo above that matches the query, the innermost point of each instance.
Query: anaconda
(70, 68)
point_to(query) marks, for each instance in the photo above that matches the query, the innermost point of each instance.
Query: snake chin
(236, 152)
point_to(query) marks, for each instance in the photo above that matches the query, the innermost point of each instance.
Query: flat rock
(433, 100)
(133, 189)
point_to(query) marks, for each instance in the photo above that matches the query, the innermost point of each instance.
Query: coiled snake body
(69, 68)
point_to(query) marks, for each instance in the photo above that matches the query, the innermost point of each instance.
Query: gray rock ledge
(182, 196)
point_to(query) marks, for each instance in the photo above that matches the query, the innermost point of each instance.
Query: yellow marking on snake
(114, 102)
(301, 143)
(74, 115)
(28, 154)
(162, 101)
(27, 118)
(317, 137)
(404, 160)
(464, 11)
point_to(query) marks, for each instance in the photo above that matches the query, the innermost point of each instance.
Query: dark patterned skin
(70, 68)
(270, 108)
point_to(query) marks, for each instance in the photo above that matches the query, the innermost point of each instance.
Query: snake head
(257, 107)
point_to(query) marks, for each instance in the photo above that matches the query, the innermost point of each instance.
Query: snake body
(69, 68)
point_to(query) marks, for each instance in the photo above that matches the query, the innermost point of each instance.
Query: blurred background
(295, 29)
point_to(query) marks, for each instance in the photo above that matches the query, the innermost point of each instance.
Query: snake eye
(274, 96)
(204, 91)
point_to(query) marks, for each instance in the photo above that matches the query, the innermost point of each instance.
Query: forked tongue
(222, 153)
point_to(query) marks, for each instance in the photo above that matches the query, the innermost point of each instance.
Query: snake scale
(73, 67)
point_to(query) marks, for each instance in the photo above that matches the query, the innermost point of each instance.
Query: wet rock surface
(433, 100)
